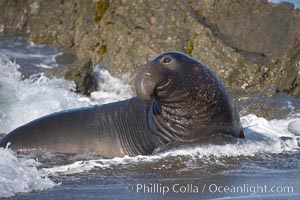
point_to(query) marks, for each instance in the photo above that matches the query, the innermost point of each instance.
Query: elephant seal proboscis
(178, 99)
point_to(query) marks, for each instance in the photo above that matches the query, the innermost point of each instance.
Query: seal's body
(178, 99)
(111, 130)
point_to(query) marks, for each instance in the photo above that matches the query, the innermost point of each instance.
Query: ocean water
(295, 2)
(264, 165)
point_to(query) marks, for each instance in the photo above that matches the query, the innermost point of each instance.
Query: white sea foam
(19, 176)
(258, 127)
(245, 148)
(110, 88)
(24, 101)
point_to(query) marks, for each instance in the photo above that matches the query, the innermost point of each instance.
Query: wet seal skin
(178, 100)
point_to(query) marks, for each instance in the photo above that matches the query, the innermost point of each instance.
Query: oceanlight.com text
(176, 188)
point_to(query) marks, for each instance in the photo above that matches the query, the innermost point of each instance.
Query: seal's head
(173, 73)
(188, 101)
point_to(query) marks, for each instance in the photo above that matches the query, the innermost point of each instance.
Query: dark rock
(265, 34)
(251, 26)
(141, 30)
(65, 59)
(81, 72)
(244, 59)
(252, 46)
(144, 29)
(13, 17)
(277, 106)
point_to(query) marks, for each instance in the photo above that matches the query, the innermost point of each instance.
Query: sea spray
(19, 175)
(25, 100)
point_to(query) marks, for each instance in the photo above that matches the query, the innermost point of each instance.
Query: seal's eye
(166, 60)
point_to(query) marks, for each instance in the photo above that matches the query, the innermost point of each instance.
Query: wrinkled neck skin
(169, 116)
(165, 124)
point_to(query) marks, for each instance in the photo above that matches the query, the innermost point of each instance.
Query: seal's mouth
(163, 84)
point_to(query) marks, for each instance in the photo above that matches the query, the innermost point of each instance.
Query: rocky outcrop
(266, 35)
(253, 46)
(81, 72)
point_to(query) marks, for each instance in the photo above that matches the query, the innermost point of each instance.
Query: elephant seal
(178, 99)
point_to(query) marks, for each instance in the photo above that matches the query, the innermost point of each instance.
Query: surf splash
(24, 101)
(19, 175)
